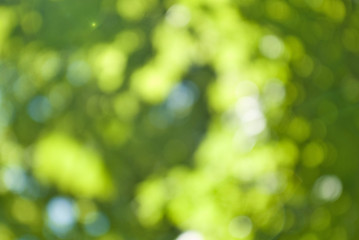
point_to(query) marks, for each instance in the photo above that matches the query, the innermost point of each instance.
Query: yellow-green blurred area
(179, 120)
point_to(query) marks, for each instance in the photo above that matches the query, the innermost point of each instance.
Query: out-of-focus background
(179, 120)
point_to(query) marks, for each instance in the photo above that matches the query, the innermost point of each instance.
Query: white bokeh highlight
(249, 111)
(178, 15)
(328, 188)
(61, 215)
(190, 235)
(271, 46)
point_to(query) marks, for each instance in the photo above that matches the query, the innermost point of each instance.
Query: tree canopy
(186, 120)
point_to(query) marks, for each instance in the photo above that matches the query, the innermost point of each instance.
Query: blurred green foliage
(186, 120)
